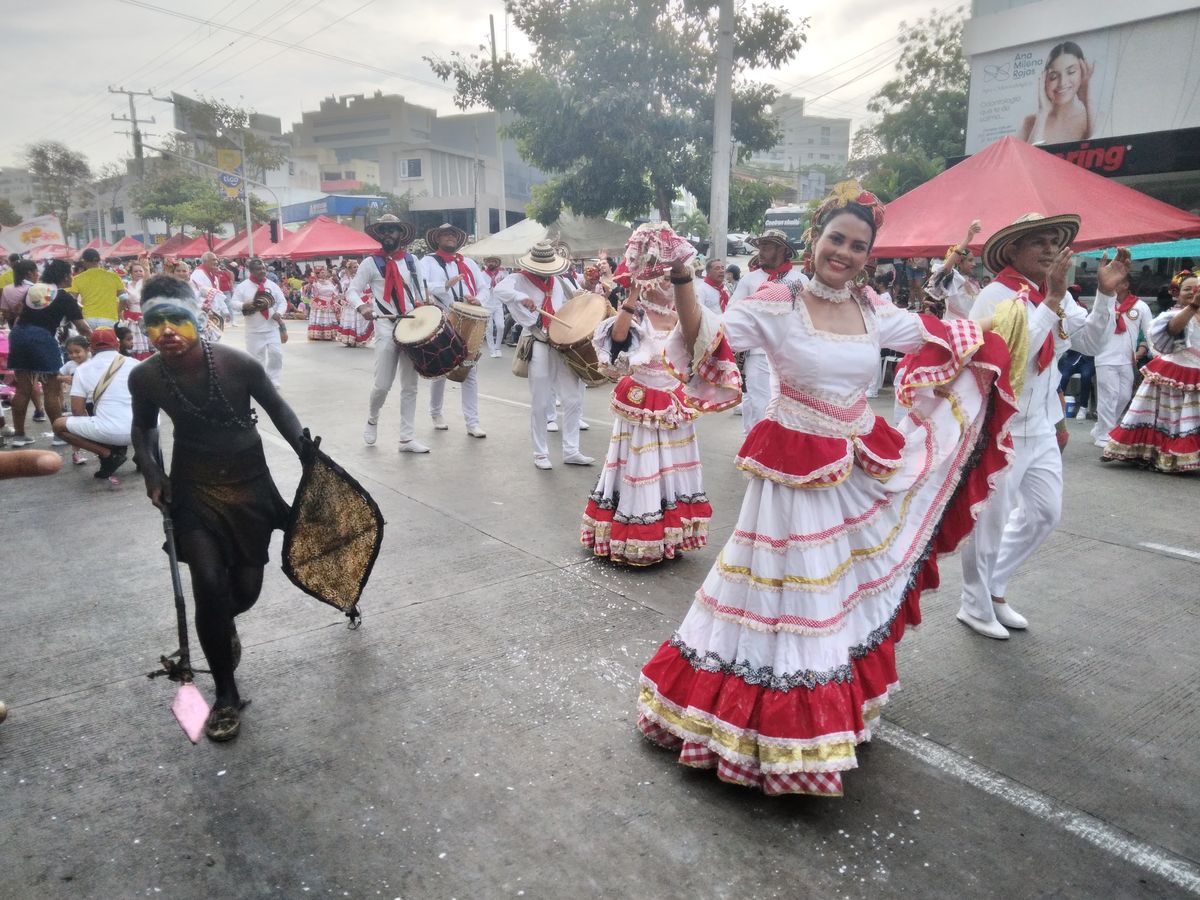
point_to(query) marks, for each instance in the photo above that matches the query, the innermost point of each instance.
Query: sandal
(223, 724)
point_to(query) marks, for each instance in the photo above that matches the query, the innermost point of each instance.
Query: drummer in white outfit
(396, 289)
(265, 331)
(537, 286)
(1114, 362)
(775, 253)
(451, 278)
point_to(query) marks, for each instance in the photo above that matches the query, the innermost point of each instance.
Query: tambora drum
(470, 323)
(581, 315)
(429, 340)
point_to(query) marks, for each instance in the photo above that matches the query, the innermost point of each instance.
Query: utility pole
(718, 206)
(499, 139)
(136, 133)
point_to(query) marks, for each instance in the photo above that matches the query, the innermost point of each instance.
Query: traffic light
(274, 231)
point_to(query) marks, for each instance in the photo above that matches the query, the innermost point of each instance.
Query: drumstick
(553, 318)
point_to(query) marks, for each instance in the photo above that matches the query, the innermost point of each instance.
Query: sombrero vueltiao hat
(407, 231)
(544, 258)
(497, 260)
(995, 251)
(431, 236)
(773, 234)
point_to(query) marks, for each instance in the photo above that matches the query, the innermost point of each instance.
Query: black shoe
(39, 417)
(109, 466)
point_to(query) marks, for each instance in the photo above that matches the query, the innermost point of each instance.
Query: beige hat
(432, 235)
(544, 258)
(995, 254)
(407, 231)
(776, 236)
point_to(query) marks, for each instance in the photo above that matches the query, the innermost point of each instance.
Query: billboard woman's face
(1063, 77)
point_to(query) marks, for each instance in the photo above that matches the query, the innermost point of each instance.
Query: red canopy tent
(320, 238)
(236, 247)
(43, 252)
(126, 248)
(1010, 178)
(220, 245)
(171, 245)
(94, 244)
(195, 247)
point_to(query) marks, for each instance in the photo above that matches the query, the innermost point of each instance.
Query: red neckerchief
(546, 286)
(720, 289)
(494, 274)
(1015, 281)
(463, 269)
(1123, 307)
(778, 272)
(393, 282)
(266, 313)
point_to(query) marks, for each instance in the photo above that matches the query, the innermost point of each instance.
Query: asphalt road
(475, 738)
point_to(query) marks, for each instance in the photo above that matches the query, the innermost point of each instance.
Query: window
(408, 168)
(824, 156)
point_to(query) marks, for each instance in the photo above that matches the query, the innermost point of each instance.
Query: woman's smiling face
(1063, 77)
(842, 249)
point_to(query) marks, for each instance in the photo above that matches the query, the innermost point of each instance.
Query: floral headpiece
(1177, 282)
(843, 194)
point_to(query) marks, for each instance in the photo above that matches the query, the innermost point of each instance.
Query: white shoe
(439, 424)
(413, 447)
(552, 426)
(476, 431)
(583, 426)
(496, 354)
(542, 462)
(1103, 445)
(370, 433)
(991, 629)
(1009, 617)
(578, 459)
(58, 442)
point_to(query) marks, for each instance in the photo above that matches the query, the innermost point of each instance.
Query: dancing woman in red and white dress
(354, 329)
(325, 302)
(131, 311)
(1161, 428)
(787, 655)
(649, 502)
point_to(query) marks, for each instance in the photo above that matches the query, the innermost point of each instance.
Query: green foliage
(181, 198)
(694, 225)
(749, 200)
(223, 125)
(898, 173)
(8, 214)
(61, 173)
(616, 101)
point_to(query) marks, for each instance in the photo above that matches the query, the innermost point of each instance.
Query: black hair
(14, 258)
(23, 270)
(857, 210)
(1065, 47)
(735, 270)
(166, 286)
(78, 340)
(57, 272)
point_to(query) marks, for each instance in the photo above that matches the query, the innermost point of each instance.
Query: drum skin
(430, 342)
(572, 337)
(470, 323)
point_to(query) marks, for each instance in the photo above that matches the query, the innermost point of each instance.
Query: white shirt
(244, 293)
(210, 295)
(369, 277)
(959, 295)
(114, 412)
(752, 281)
(436, 277)
(515, 288)
(708, 295)
(1039, 407)
(1117, 349)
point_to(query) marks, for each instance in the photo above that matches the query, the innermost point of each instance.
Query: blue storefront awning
(1162, 250)
(333, 205)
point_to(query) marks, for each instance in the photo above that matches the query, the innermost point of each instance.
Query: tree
(898, 173)
(695, 225)
(223, 125)
(749, 200)
(8, 214)
(109, 182)
(616, 101)
(61, 173)
(161, 196)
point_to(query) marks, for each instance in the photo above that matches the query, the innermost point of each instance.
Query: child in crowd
(78, 354)
(125, 338)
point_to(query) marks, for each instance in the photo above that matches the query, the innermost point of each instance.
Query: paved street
(475, 738)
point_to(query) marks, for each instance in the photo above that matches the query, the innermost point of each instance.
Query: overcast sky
(67, 53)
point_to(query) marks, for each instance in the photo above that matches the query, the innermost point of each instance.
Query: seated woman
(787, 655)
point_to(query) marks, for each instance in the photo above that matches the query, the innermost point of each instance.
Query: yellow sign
(230, 164)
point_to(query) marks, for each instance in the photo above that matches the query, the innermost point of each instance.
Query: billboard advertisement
(1131, 79)
(230, 162)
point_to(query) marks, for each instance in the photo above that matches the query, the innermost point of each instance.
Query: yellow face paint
(171, 320)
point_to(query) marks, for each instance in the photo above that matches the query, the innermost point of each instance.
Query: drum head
(470, 310)
(424, 322)
(583, 312)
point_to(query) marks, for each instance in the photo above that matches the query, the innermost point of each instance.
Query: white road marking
(1178, 871)
(1172, 551)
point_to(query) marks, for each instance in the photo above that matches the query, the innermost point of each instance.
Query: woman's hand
(1086, 70)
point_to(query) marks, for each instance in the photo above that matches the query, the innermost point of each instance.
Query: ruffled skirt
(1161, 428)
(322, 322)
(353, 328)
(649, 502)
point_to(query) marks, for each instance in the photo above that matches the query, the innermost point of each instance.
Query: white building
(807, 140)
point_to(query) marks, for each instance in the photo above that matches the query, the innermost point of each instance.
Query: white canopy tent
(585, 236)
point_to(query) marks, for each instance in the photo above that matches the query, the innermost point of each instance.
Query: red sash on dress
(1015, 281)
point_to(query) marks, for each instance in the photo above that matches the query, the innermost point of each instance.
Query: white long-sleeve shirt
(211, 296)
(752, 281)
(516, 288)
(959, 295)
(255, 321)
(369, 276)
(436, 276)
(1118, 349)
(1164, 342)
(1039, 407)
(708, 295)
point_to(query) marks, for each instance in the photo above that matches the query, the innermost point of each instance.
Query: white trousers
(549, 375)
(757, 392)
(470, 397)
(495, 329)
(1114, 388)
(267, 348)
(388, 359)
(1016, 521)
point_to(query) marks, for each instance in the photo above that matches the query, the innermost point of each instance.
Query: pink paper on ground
(191, 711)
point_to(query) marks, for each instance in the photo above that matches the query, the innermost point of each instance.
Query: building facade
(806, 140)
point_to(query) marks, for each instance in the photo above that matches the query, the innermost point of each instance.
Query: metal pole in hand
(185, 662)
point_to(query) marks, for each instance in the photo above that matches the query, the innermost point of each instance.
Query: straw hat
(995, 251)
(489, 259)
(544, 258)
(431, 236)
(776, 236)
(407, 231)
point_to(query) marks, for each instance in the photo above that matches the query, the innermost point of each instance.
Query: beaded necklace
(226, 417)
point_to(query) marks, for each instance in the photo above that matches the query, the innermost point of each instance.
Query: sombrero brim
(995, 251)
(407, 231)
(757, 242)
(529, 264)
(431, 236)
